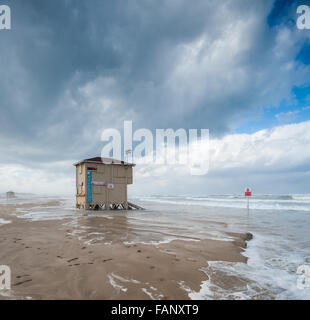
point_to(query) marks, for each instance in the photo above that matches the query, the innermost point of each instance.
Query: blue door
(89, 187)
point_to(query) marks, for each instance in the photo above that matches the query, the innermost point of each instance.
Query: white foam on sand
(6, 293)
(124, 279)
(2, 221)
(115, 285)
(95, 241)
(266, 275)
(44, 213)
(152, 294)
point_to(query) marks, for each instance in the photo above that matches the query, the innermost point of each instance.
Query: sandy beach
(49, 260)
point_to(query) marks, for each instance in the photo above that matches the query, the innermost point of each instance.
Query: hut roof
(105, 161)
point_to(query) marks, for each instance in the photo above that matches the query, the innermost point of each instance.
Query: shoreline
(49, 262)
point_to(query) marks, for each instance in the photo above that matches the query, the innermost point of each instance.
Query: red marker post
(248, 194)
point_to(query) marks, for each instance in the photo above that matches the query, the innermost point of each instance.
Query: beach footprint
(22, 279)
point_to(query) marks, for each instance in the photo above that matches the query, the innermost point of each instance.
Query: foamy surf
(3, 221)
(259, 202)
(279, 223)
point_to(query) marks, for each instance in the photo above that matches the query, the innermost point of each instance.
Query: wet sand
(49, 261)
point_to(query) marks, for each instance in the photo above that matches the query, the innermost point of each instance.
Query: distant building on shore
(101, 183)
(10, 195)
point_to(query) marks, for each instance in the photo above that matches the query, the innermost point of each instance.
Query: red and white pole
(248, 194)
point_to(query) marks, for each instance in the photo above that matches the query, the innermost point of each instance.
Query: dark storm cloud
(72, 68)
(49, 43)
(60, 45)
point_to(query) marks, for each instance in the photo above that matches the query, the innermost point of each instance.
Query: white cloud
(271, 159)
(277, 149)
(43, 181)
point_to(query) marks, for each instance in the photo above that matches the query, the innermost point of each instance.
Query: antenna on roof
(127, 152)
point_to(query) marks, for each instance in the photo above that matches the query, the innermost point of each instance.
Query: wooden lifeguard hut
(101, 183)
(10, 195)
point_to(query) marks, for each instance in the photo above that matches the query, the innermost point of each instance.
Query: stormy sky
(71, 68)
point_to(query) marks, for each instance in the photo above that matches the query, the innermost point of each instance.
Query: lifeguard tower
(10, 195)
(101, 183)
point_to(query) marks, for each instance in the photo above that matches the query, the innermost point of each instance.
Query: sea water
(280, 225)
(281, 228)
